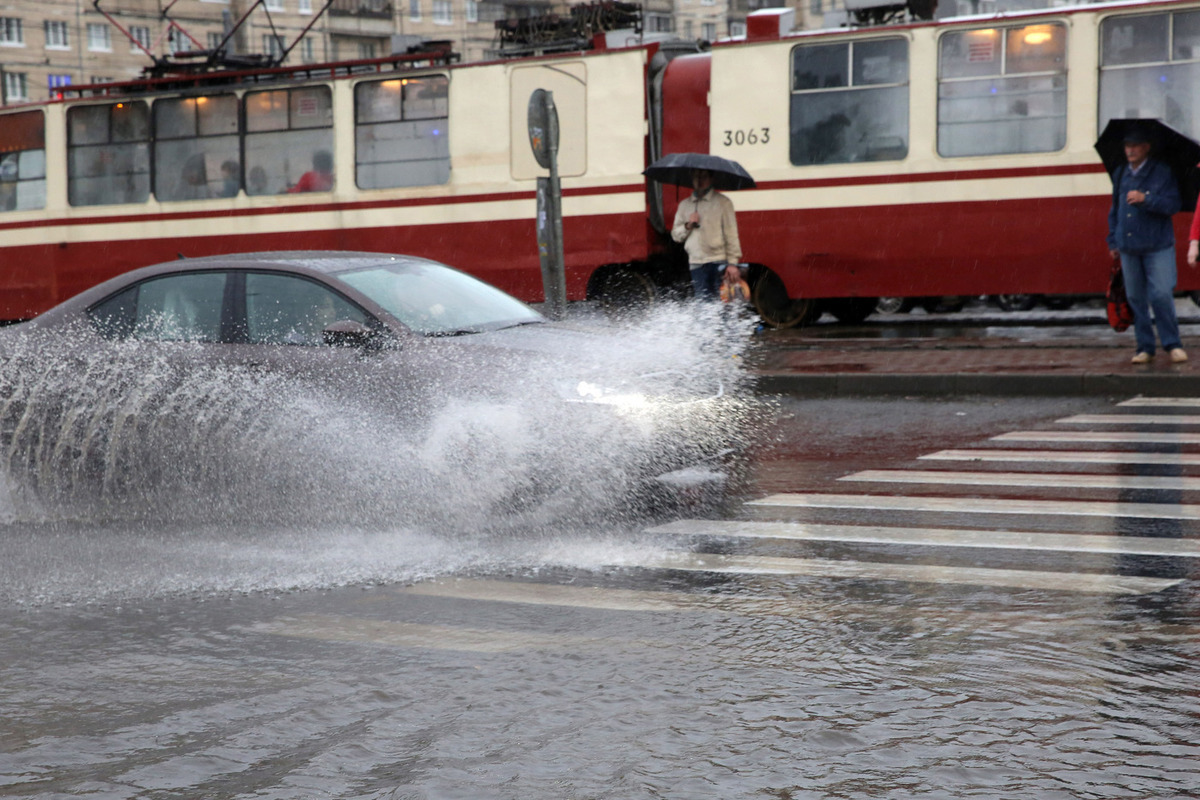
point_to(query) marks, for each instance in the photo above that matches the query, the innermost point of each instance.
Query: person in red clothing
(319, 178)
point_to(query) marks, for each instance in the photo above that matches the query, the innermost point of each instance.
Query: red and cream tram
(927, 159)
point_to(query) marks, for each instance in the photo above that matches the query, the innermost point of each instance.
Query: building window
(366, 50)
(58, 81)
(441, 12)
(708, 31)
(737, 29)
(274, 5)
(108, 154)
(307, 51)
(1002, 90)
(289, 132)
(414, 10)
(99, 37)
(16, 86)
(56, 35)
(141, 36)
(1149, 66)
(305, 7)
(400, 133)
(849, 102)
(272, 46)
(23, 161)
(816, 7)
(472, 11)
(11, 34)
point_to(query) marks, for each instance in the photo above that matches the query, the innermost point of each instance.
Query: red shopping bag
(1120, 315)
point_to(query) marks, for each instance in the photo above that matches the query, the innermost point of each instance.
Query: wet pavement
(981, 351)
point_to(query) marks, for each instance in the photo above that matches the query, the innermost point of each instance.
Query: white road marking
(975, 505)
(1132, 419)
(1067, 457)
(937, 537)
(1165, 402)
(1041, 480)
(545, 594)
(1126, 437)
(915, 573)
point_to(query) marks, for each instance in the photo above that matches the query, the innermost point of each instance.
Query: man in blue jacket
(1145, 196)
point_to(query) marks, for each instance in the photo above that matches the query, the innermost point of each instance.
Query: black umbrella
(676, 168)
(1178, 151)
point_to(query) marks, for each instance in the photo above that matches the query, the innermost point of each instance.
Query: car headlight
(589, 392)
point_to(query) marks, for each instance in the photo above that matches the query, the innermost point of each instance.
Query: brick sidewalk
(1074, 358)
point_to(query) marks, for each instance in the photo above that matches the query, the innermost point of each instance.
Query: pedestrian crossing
(1137, 498)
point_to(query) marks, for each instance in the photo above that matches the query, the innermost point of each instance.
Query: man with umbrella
(706, 227)
(1140, 233)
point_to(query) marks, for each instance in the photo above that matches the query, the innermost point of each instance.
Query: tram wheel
(850, 310)
(894, 305)
(776, 308)
(1015, 302)
(1058, 302)
(622, 290)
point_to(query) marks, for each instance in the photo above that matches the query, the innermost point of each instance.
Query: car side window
(175, 308)
(285, 309)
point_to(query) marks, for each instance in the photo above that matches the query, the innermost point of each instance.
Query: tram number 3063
(750, 136)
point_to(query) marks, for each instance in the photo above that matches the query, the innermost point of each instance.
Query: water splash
(124, 470)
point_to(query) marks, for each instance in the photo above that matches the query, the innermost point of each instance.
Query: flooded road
(848, 649)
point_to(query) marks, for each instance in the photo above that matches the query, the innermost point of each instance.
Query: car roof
(324, 261)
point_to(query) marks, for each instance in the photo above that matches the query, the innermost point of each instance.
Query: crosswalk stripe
(544, 594)
(1041, 480)
(1132, 419)
(1165, 402)
(1126, 437)
(975, 505)
(1067, 457)
(936, 537)
(915, 573)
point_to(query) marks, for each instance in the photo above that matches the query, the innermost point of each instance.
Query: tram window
(196, 148)
(1002, 91)
(22, 161)
(850, 102)
(286, 131)
(400, 132)
(1153, 77)
(108, 154)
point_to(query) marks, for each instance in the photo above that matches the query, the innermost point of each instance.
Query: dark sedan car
(391, 359)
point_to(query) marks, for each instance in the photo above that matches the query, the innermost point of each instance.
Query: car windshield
(435, 300)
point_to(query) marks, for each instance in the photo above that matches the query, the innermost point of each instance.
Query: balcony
(362, 17)
(371, 9)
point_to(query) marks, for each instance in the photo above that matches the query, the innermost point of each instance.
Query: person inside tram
(319, 178)
(1141, 235)
(193, 180)
(230, 180)
(256, 181)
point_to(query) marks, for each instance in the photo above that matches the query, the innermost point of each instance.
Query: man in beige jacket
(706, 227)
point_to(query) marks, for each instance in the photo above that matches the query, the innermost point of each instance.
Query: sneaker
(1178, 356)
(1141, 358)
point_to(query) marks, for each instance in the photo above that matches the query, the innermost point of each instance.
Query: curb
(849, 384)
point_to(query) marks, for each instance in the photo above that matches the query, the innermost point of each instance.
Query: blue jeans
(706, 280)
(1150, 287)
